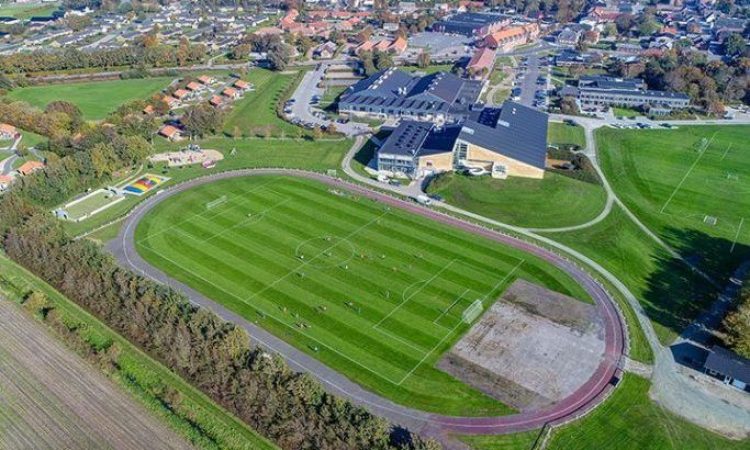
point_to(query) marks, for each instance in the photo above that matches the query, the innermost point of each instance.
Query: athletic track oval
(586, 397)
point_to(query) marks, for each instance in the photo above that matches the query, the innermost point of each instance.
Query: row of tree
(710, 84)
(737, 325)
(158, 55)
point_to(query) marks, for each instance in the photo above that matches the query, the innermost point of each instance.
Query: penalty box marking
(198, 215)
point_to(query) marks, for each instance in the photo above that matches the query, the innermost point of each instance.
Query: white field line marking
(406, 299)
(504, 278)
(274, 317)
(244, 221)
(736, 236)
(453, 330)
(700, 155)
(445, 311)
(307, 262)
(198, 215)
(726, 151)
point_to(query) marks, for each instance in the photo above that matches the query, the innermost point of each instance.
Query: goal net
(472, 311)
(217, 202)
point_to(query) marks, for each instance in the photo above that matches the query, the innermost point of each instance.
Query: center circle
(325, 252)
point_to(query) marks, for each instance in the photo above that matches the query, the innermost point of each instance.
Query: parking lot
(302, 108)
(532, 82)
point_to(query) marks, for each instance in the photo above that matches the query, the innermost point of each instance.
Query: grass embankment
(688, 186)
(187, 411)
(96, 99)
(250, 153)
(256, 114)
(374, 292)
(554, 201)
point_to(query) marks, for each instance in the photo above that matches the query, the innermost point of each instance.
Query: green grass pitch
(374, 292)
(690, 184)
(96, 99)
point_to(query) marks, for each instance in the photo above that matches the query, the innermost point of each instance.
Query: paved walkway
(435, 425)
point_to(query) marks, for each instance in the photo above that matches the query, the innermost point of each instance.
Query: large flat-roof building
(472, 24)
(609, 91)
(511, 141)
(393, 93)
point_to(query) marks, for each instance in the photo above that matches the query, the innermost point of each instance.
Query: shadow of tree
(676, 294)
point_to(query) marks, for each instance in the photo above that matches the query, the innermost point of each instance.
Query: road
(52, 398)
(123, 248)
(303, 110)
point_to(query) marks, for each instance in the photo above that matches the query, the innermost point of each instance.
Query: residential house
(729, 367)
(8, 131)
(170, 132)
(29, 167)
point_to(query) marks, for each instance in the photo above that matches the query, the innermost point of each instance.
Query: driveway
(303, 110)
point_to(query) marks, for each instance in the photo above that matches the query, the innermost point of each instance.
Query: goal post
(217, 202)
(472, 311)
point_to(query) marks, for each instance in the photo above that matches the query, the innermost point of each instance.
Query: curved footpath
(585, 398)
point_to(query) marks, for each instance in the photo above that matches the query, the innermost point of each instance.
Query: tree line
(159, 55)
(736, 325)
(291, 409)
(710, 84)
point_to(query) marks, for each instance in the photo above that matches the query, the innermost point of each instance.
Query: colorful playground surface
(144, 184)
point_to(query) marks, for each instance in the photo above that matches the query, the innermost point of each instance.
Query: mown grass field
(554, 201)
(563, 133)
(96, 99)
(255, 114)
(690, 186)
(250, 153)
(197, 418)
(629, 420)
(375, 293)
(27, 10)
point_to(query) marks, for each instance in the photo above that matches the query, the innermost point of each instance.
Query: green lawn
(620, 111)
(90, 204)
(689, 186)
(517, 441)
(255, 114)
(27, 10)
(629, 420)
(31, 139)
(250, 153)
(432, 68)
(96, 99)
(197, 418)
(554, 201)
(374, 292)
(646, 269)
(563, 133)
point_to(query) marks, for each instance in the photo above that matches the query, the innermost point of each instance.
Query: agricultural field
(135, 376)
(376, 293)
(255, 114)
(85, 411)
(563, 133)
(96, 99)
(689, 185)
(554, 201)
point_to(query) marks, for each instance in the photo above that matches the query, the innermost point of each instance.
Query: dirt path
(50, 398)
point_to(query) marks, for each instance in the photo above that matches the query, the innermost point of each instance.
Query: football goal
(217, 202)
(472, 311)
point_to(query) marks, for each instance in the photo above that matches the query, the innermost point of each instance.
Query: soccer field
(374, 292)
(693, 178)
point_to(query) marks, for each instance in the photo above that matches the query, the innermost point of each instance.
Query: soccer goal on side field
(472, 311)
(217, 202)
